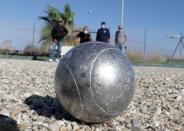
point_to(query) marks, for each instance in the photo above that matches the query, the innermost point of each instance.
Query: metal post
(180, 50)
(145, 38)
(122, 12)
(33, 51)
(175, 51)
(181, 45)
(33, 35)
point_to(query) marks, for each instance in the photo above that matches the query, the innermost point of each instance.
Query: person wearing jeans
(55, 50)
(120, 39)
(58, 33)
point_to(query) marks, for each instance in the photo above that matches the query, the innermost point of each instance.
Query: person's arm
(78, 35)
(116, 35)
(90, 38)
(97, 36)
(53, 33)
(125, 37)
(65, 31)
(108, 34)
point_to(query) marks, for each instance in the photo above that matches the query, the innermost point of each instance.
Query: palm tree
(68, 17)
(52, 15)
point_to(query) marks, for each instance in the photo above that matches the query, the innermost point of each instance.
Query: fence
(33, 52)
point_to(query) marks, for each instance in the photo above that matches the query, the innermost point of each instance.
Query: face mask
(85, 32)
(103, 26)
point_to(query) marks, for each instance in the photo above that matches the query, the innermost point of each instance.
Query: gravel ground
(28, 102)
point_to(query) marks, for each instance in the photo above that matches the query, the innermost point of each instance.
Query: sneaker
(57, 60)
(50, 60)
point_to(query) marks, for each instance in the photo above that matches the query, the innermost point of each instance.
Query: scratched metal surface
(94, 82)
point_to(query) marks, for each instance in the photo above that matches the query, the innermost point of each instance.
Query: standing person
(84, 36)
(58, 33)
(120, 39)
(103, 34)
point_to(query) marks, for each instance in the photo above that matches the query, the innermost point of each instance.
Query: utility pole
(145, 40)
(33, 51)
(179, 45)
(122, 12)
(33, 35)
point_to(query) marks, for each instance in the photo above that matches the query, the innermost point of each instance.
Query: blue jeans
(122, 47)
(55, 50)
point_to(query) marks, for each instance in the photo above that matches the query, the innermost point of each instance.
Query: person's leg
(118, 46)
(124, 49)
(53, 52)
(60, 44)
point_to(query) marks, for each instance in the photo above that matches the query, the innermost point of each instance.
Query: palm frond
(45, 18)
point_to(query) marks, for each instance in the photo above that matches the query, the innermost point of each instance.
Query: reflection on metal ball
(94, 82)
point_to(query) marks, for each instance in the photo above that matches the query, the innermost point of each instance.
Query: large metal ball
(94, 82)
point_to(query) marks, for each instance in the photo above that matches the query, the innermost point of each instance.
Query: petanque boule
(94, 82)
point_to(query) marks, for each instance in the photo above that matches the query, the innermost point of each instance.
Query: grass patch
(156, 59)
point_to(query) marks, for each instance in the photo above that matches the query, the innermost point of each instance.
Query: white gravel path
(27, 96)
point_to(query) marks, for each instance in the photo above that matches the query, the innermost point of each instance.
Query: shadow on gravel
(48, 106)
(8, 124)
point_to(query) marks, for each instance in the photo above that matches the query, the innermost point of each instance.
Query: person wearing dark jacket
(103, 33)
(58, 33)
(84, 36)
